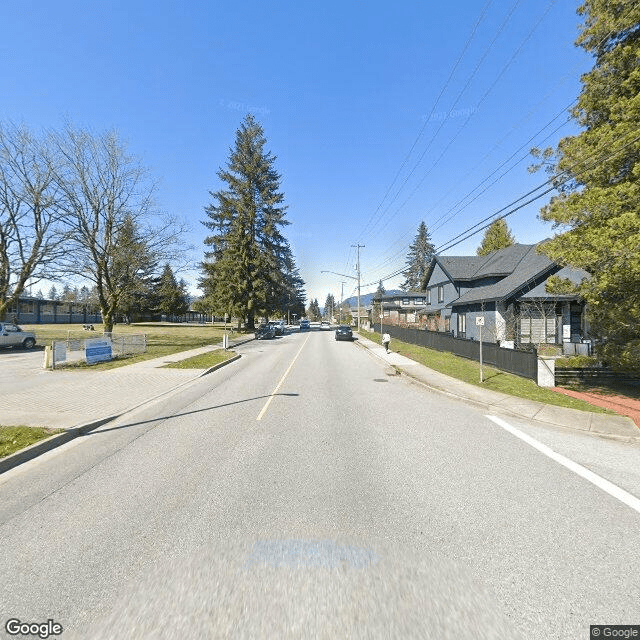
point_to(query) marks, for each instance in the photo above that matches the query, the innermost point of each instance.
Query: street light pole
(358, 246)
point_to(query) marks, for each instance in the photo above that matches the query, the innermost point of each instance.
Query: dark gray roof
(521, 265)
(570, 273)
(497, 263)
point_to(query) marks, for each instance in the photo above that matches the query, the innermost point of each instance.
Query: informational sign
(566, 331)
(97, 350)
(59, 351)
(479, 321)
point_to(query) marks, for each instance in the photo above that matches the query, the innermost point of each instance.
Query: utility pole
(358, 247)
(341, 299)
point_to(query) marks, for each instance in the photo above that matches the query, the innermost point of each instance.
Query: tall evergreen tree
(497, 236)
(170, 296)
(418, 259)
(313, 312)
(249, 268)
(598, 210)
(329, 306)
(131, 268)
(377, 304)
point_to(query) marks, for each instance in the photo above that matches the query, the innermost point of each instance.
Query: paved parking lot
(20, 370)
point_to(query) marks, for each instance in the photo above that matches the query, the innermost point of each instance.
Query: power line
(464, 124)
(571, 174)
(555, 183)
(428, 118)
(442, 124)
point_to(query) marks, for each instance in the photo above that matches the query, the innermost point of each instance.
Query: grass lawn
(162, 339)
(494, 379)
(13, 439)
(203, 361)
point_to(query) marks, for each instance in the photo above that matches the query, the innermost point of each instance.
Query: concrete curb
(58, 439)
(220, 364)
(494, 407)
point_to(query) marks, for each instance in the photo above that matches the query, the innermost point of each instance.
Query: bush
(577, 362)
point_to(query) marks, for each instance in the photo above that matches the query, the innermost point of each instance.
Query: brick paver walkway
(622, 405)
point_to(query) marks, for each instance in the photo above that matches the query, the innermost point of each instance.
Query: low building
(30, 310)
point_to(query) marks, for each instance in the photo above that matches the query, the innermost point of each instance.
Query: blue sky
(350, 94)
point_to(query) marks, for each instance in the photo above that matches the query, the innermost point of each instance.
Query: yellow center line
(286, 373)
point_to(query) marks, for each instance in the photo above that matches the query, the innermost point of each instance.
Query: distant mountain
(366, 298)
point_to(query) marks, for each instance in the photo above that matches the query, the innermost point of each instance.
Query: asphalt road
(304, 492)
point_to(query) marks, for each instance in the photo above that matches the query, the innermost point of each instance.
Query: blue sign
(97, 350)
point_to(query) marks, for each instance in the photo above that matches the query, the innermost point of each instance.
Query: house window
(440, 293)
(462, 325)
(406, 301)
(418, 301)
(428, 296)
(386, 313)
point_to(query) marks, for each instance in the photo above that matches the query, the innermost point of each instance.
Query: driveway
(20, 370)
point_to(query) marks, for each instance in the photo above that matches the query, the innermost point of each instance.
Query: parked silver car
(11, 335)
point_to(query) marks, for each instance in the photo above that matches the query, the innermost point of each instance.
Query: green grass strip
(494, 379)
(13, 439)
(203, 361)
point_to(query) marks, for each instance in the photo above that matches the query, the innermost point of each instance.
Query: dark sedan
(265, 331)
(343, 332)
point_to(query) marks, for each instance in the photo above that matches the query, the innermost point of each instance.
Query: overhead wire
(466, 121)
(431, 112)
(555, 183)
(442, 124)
(394, 257)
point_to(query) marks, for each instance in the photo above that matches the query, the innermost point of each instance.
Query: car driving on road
(343, 332)
(278, 326)
(11, 335)
(304, 325)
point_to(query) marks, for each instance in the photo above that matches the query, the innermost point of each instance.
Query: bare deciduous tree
(105, 189)
(31, 233)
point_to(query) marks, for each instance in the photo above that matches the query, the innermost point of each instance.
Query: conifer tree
(598, 211)
(329, 306)
(170, 296)
(418, 259)
(377, 305)
(249, 269)
(497, 236)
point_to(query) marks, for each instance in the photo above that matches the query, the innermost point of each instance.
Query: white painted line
(610, 488)
(286, 373)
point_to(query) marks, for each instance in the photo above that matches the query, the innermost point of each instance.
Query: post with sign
(480, 324)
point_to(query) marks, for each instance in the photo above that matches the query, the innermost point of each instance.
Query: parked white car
(11, 335)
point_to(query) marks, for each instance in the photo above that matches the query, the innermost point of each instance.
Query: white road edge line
(610, 488)
(286, 373)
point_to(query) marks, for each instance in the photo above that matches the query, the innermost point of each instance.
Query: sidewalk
(68, 399)
(618, 427)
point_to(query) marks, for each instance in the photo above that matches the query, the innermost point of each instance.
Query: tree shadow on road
(186, 413)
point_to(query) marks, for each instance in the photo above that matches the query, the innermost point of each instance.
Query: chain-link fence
(74, 349)
(127, 344)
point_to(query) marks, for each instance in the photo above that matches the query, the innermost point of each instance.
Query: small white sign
(59, 351)
(480, 321)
